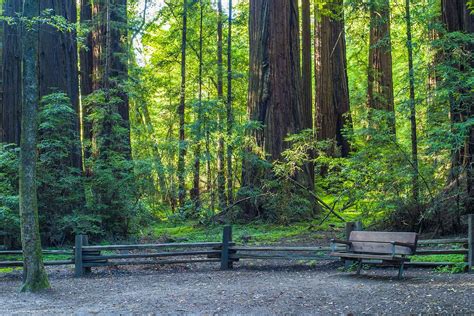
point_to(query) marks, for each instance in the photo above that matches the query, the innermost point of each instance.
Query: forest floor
(259, 288)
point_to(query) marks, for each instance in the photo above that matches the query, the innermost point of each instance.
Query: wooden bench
(391, 248)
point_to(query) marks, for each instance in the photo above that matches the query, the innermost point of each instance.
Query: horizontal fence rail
(14, 263)
(280, 253)
(443, 241)
(153, 246)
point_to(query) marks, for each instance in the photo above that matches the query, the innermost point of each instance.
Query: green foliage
(161, 40)
(439, 258)
(453, 269)
(60, 181)
(111, 195)
(458, 265)
(46, 17)
(252, 233)
(9, 200)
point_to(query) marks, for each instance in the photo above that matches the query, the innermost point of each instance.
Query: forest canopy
(221, 111)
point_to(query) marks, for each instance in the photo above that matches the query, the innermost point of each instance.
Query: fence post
(85, 242)
(471, 242)
(78, 262)
(350, 227)
(226, 263)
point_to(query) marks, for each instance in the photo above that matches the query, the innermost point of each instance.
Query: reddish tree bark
(380, 78)
(10, 108)
(306, 69)
(332, 89)
(58, 64)
(275, 94)
(109, 48)
(275, 82)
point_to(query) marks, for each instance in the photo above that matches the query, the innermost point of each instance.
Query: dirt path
(248, 289)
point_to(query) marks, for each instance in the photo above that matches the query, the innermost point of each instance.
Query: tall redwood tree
(275, 95)
(457, 17)
(380, 78)
(332, 89)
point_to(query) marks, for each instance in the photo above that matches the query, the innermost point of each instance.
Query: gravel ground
(251, 288)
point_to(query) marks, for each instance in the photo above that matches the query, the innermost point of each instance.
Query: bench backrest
(361, 242)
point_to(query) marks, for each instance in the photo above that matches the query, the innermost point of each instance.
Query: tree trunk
(181, 112)
(307, 79)
(109, 46)
(35, 277)
(220, 96)
(86, 64)
(380, 79)
(332, 101)
(85, 53)
(2, 39)
(196, 191)
(275, 94)
(58, 64)
(230, 113)
(457, 17)
(414, 139)
(10, 108)
(119, 57)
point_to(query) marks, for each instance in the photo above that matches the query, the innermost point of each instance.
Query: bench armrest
(403, 244)
(338, 241)
(334, 242)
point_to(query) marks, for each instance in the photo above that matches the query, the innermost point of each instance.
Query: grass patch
(439, 258)
(253, 233)
(458, 265)
(9, 270)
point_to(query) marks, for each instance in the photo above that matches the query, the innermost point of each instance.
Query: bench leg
(400, 270)
(359, 267)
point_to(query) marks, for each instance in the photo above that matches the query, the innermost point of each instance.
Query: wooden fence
(456, 246)
(84, 256)
(143, 254)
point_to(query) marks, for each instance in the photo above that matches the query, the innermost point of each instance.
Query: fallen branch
(228, 208)
(321, 202)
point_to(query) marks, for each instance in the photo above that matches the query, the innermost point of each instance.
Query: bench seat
(349, 255)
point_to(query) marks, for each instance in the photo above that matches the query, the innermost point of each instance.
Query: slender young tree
(35, 277)
(307, 79)
(181, 112)
(332, 88)
(380, 78)
(157, 157)
(220, 97)
(196, 192)
(411, 75)
(230, 113)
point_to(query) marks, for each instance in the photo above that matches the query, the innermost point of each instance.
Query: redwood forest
(135, 120)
